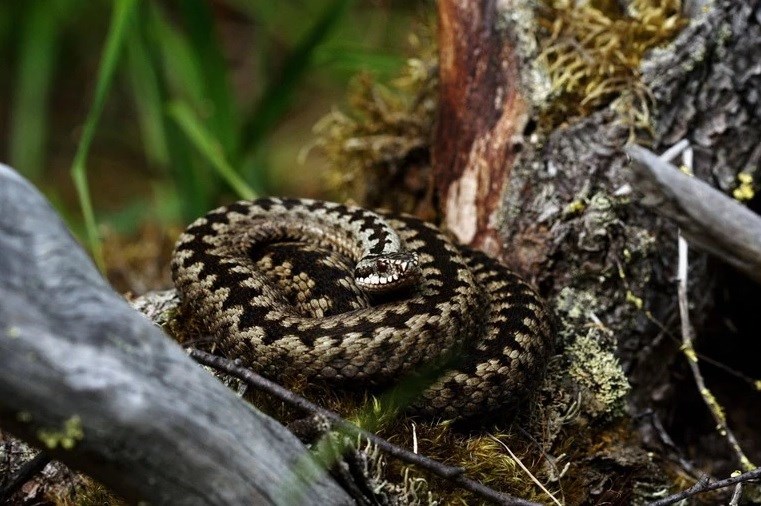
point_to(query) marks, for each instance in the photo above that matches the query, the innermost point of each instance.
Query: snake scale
(339, 294)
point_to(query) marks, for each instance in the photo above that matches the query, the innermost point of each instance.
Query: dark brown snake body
(416, 300)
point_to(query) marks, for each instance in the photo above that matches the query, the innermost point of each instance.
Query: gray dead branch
(100, 388)
(708, 218)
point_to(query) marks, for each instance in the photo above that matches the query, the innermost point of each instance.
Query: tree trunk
(557, 206)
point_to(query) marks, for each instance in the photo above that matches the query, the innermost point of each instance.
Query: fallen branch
(706, 485)
(23, 475)
(708, 219)
(101, 389)
(454, 474)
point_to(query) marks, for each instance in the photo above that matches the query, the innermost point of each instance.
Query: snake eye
(382, 267)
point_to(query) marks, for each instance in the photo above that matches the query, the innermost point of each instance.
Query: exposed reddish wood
(481, 113)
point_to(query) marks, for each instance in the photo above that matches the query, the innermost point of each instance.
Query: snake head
(388, 272)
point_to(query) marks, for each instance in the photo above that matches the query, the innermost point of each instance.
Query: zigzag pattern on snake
(271, 280)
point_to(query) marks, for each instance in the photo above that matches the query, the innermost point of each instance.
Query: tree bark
(481, 117)
(558, 207)
(99, 387)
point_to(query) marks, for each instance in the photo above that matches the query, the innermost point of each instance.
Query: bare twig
(664, 331)
(551, 460)
(735, 500)
(689, 350)
(665, 439)
(706, 485)
(454, 474)
(708, 219)
(23, 475)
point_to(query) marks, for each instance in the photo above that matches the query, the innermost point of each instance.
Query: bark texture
(100, 388)
(481, 114)
(561, 210)
(708, 90)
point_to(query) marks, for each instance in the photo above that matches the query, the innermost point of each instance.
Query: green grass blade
(146, 91)
(182, 72)
(37, 54)
(174, 66)
(279, 93)
(209, 147)
(219, 107)
(120, 17)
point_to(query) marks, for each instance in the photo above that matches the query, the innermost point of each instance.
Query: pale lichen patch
(600, 374)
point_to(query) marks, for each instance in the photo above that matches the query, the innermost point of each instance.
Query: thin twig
(735, 500)
(689, 350)
(664, 331)
(551, 460)
(665, 439)
(454, 474)
(674, 151)
(23, 475)
(706, 485)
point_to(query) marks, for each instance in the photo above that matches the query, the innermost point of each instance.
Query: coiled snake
(270, 280)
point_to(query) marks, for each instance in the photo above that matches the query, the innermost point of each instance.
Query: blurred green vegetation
(124, 111)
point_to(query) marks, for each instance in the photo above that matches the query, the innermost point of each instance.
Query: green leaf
(192, 177)
(147, 93)
(219, 106)
(180, 65)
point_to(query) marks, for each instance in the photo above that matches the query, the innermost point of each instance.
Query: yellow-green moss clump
(66, 437)
(744, 191)
(383, 139)
(592, 51)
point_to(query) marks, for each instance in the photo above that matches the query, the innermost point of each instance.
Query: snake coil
(340, 294)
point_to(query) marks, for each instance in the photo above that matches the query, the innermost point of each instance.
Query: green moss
(66, 437)
(590, 362)
(483, 455)
(744, 190)
(576, 207)
(634, 300)
(575, 304)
